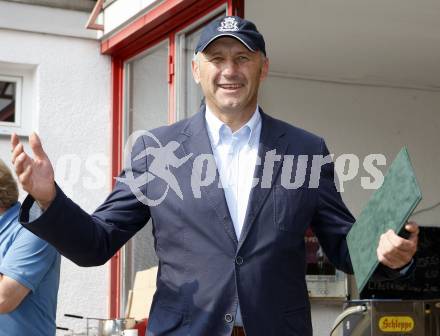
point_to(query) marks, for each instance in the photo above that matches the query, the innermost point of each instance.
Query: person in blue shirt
(29, 271)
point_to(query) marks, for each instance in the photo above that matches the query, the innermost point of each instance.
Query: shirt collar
(215, 126)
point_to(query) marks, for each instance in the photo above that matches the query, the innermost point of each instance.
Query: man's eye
(243, 59)
(216, 59)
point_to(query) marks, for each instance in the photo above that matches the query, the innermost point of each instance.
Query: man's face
(230, 75)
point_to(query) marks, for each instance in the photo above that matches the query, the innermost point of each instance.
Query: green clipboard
(389, 208)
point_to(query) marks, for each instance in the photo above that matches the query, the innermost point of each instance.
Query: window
(17, 107)
(146, 107)
(10, 102)
(8, 98)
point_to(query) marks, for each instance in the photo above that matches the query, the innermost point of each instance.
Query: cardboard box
(141, 296)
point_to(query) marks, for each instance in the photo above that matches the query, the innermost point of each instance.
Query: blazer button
(228, 318)
(239, 260)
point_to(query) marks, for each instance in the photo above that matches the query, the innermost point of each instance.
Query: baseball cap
(234, 26)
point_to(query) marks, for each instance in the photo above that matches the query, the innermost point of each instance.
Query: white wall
(42, 19)
(120, 12)
(72, 81)
(362, 120)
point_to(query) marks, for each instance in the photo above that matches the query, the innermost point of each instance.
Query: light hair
(8, 187)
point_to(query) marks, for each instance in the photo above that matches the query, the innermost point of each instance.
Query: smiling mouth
(230, 86)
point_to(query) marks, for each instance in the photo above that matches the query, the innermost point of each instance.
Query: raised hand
(35, 174)
(394, 251)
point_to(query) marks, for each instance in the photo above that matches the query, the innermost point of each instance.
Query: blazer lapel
(198, 143)
(271, 138)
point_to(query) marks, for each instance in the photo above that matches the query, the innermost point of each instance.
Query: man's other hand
(35, 174)
(394, 251)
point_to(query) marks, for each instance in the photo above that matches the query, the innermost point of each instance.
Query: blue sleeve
(28, 259)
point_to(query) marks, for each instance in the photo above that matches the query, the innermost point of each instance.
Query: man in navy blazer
(228, 218)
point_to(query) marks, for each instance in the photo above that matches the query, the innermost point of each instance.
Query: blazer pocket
(293, 208)
(165, 321)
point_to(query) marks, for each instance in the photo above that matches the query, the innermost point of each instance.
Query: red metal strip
(236, 7)
(157, 16)
(171, 79)
(141, 33)
(117, 148)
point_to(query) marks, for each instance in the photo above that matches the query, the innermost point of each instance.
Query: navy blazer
(204, 270)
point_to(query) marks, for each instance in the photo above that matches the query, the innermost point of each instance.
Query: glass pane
(7, 101)
(146, 108)
(148, 89)
(193, 94)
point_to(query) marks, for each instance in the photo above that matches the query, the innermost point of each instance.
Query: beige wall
(361, 120)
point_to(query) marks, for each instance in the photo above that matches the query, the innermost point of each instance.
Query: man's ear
(264, 69)
(195, 69)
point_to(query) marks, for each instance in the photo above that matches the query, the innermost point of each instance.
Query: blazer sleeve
(332, 219)
(90, 240)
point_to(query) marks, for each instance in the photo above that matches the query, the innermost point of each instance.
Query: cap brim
(226, 35)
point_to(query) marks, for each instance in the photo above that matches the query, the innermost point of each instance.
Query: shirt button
(239, 260)
(228, 318)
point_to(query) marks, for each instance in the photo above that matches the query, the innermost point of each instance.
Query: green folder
(388, 208)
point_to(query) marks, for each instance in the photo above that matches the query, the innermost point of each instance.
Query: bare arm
(12, 294)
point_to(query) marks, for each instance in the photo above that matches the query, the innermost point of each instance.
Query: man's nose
(230, 68)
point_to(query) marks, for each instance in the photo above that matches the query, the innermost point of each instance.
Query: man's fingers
(396, 248)
(37, 148)
(14, 140)
(24, 178)
(413, 229)
(21, 163)
(399, 243)
(394, 251)
(18, 149)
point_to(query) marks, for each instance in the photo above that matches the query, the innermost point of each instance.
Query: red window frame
(158, 24)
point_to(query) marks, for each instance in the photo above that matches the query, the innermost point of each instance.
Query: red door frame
(158, 24)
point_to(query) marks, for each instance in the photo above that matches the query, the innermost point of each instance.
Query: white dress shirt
(236, 155)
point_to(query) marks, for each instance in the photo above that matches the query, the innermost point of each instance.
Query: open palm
(35, 174)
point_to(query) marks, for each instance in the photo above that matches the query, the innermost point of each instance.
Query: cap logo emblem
(228, 24)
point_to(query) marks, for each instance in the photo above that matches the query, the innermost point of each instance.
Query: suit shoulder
(164, 134)
(293, 133)
(170, 130)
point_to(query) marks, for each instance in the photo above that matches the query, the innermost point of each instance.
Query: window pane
(148, 89)
(7, 101)
(193, 95)
(146, 108)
